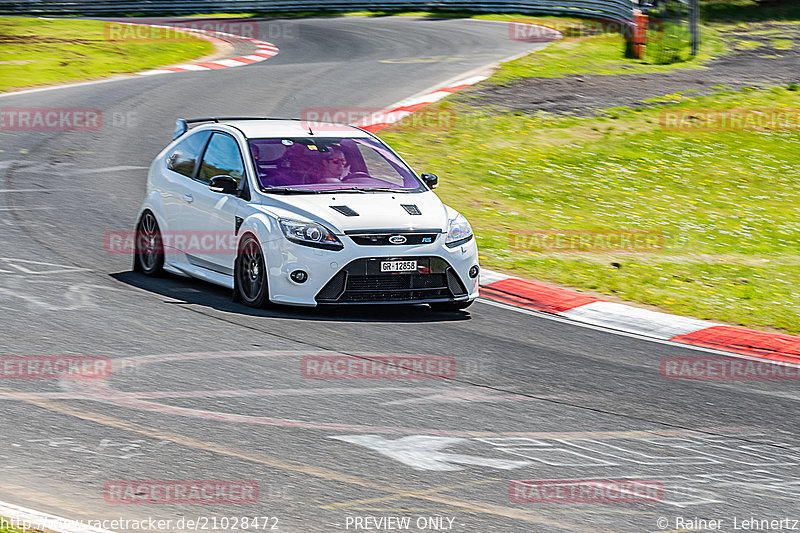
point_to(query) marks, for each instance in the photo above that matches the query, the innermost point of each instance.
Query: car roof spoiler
(182, 124)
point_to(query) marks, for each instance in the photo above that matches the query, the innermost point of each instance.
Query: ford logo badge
(397, 239)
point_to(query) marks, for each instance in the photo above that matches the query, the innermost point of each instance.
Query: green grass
(5, 527)
(602, 54)
(782, 44)
(36, 51)
(748, 45)
(725, 201)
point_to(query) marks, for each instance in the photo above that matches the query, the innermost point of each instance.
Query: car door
(181, 166)
(210, 220)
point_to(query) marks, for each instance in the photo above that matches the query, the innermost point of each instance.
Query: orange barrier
(639, 42)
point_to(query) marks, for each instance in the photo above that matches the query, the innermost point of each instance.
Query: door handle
(188, 197)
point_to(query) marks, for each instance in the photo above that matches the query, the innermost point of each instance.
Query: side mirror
(431, 180)
(223, 184)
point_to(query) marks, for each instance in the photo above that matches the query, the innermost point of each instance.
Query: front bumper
(362, 281)
(352, 275)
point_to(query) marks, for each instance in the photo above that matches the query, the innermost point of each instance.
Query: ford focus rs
(283, 211)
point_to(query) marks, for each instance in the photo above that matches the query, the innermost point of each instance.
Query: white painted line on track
(639, 336)
(34, 190)
(106, 169)
(69, 85)
(44, 521)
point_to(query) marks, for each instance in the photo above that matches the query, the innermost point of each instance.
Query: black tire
(250, 271)
(149, 256)
(450, 306)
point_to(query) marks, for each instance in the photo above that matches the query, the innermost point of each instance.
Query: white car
(283, 211)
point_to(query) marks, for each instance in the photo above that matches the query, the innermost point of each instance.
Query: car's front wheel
(250, 285)
(149, 256)
(450, 306)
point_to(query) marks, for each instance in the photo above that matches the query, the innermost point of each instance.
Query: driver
(334, 165)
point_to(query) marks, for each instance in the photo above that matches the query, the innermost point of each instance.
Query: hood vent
(343, 209)
(411, 209)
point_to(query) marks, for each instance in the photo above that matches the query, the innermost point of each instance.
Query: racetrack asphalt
(207, 389)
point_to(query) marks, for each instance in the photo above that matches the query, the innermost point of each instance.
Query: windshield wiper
(289, 190)
(360, 190)
(375, 189)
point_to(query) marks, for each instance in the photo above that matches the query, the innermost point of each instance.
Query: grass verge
(35, 51)
(5, 527)
(601, 54)
(720, 193)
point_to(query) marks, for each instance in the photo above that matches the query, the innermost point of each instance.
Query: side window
(184, 155)
(222, 157)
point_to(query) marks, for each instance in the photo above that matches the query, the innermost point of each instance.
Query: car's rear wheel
(149, 256)
(250, 285)
(450, 306)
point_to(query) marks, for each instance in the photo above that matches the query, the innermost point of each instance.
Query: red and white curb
(588, 309)
(264, 51)
(377, 121)
(26, 519)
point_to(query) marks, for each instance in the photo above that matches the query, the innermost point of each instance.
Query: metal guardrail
(616, 10)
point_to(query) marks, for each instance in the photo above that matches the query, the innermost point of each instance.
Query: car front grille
(367, 238)
(362, 282)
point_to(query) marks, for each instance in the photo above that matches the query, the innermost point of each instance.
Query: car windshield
(308, 165)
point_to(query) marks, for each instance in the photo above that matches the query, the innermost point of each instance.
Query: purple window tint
(329, 164)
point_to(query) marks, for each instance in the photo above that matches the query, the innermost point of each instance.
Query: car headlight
(310, 234)
(459, 231)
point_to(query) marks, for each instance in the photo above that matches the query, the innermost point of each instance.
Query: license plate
(398, 266)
